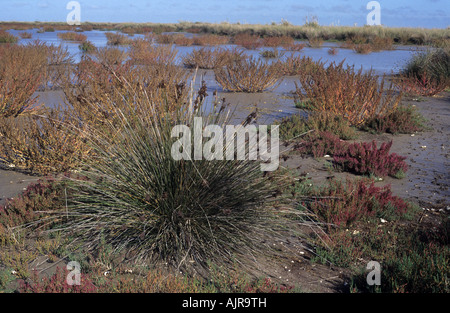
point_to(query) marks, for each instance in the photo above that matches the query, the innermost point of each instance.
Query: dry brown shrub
(248, 75)
(248, 41)
(40, 143)
(117, 39)
(284, 41)
(143, 52)
(295, 46)
(363, 48)
(315, 42)
(355, 95)
(210, 40)
(20, 73)
(174, 39)
(110, 55)
(72, 36)
(209, 58)
(99, 83)
(298, 65)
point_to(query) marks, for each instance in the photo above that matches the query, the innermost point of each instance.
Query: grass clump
(149, 206)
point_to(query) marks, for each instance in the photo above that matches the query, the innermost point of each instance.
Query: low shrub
(117, 39)
(333, 51)
(298, 65)
(315, 42)
(34, 203)
(429, 64)
(72, 36)
(143, 52)
(279, 41)
(25, 35)
(296, 124)
(207, 58)
(402, 120)
(275, 53)
(366, 159)
(248, 41)
(343, 203)
(40, 144)
(355, 95)
(210, 40)
(6, 37)
(21, 71)
(87, 46)
(363, 48)
(294, 46)
(248, 75)
(319, 144)
(425, 85)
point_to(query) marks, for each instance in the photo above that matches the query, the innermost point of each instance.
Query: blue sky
(402, 13)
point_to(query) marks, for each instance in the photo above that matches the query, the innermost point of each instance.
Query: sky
(394, 13)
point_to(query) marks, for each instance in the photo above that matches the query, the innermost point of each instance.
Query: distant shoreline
(400, 35)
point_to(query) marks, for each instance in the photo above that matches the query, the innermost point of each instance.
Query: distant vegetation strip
(399, 35)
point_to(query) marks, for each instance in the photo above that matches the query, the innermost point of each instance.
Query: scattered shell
(423, 147)
(382, 220)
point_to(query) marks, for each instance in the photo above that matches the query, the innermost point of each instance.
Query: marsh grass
(144, 203)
